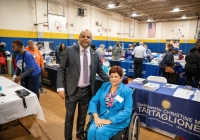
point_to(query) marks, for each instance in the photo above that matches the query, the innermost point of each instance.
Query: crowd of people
(77, 85)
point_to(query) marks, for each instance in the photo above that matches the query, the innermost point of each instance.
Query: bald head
(141, 43)
(86, 30)
(85, 38)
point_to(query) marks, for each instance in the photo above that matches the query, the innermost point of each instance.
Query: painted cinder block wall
(19, 16)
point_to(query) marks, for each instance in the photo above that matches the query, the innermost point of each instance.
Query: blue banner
(161, 110)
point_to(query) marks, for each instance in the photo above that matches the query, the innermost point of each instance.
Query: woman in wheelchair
(111, 107)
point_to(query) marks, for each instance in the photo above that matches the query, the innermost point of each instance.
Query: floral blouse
(110, 98)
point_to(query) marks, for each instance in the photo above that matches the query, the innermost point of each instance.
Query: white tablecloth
(11, 105)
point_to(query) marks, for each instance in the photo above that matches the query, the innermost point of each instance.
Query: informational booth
(173, 109)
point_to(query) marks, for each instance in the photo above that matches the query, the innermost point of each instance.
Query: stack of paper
(151, 86)
(197, 96)
(170, 86)
(138, 80)
(183, 93)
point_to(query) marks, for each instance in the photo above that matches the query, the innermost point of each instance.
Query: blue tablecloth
(148, 69)
(161, 110)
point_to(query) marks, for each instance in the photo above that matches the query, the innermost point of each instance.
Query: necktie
(85, 66)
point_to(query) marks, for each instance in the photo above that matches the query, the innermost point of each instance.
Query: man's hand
(62, 94)
(42, 69)
(18, 78)
(14, 77)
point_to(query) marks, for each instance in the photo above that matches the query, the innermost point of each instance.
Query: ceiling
(156, 10)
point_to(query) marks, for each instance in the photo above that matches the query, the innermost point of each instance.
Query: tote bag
(2, 60)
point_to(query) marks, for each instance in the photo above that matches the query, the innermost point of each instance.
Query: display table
(147, 69)
(114, 62)
(49, 77)
(11, 105)
(160, 109)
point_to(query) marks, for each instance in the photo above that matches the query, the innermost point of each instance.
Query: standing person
(139, 53)
(40, 48)
(148, 53)
(28, 71)
(101, 50)
(117, 51)
(128, 53)
(168, 60)
(61, 51)
(82, 64)
(39, 59)
(3, 54)
(56, 52)
(192, 67)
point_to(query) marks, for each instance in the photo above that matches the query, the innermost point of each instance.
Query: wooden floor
(54, 111)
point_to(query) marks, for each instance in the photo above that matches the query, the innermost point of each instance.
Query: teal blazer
(119, 112)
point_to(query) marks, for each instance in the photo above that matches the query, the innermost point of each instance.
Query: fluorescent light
(134, 14)
(176, 9)
(111, 5)
(148, 20)
(184, 16)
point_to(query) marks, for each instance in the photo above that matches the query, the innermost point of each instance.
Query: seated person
(180, 55)
(115, 107)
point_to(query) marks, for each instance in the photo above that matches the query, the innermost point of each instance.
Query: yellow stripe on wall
(114, 39)
(149, 41)
(17, 33)
(56, 35)
(75, 36)
(126, 39)
(192, 41)
(100, 38)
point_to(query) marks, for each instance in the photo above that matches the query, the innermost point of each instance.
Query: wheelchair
(132, 132)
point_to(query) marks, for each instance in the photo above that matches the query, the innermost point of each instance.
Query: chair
(157, 79)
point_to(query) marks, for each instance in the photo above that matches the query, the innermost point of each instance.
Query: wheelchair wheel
(134, 128)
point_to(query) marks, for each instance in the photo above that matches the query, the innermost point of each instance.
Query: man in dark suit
(76, 81)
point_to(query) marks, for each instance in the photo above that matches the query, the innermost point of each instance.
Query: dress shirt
(81, 80)
(139, 52)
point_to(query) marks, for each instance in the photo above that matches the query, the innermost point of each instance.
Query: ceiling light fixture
(176, 9)
(148, 20)
(184, 16)
(111, 5)
(134, 14)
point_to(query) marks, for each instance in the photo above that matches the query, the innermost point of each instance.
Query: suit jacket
(119, 112)
(69, 70)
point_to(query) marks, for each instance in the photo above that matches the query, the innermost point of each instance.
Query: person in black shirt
(168, 60)
(192, 67)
